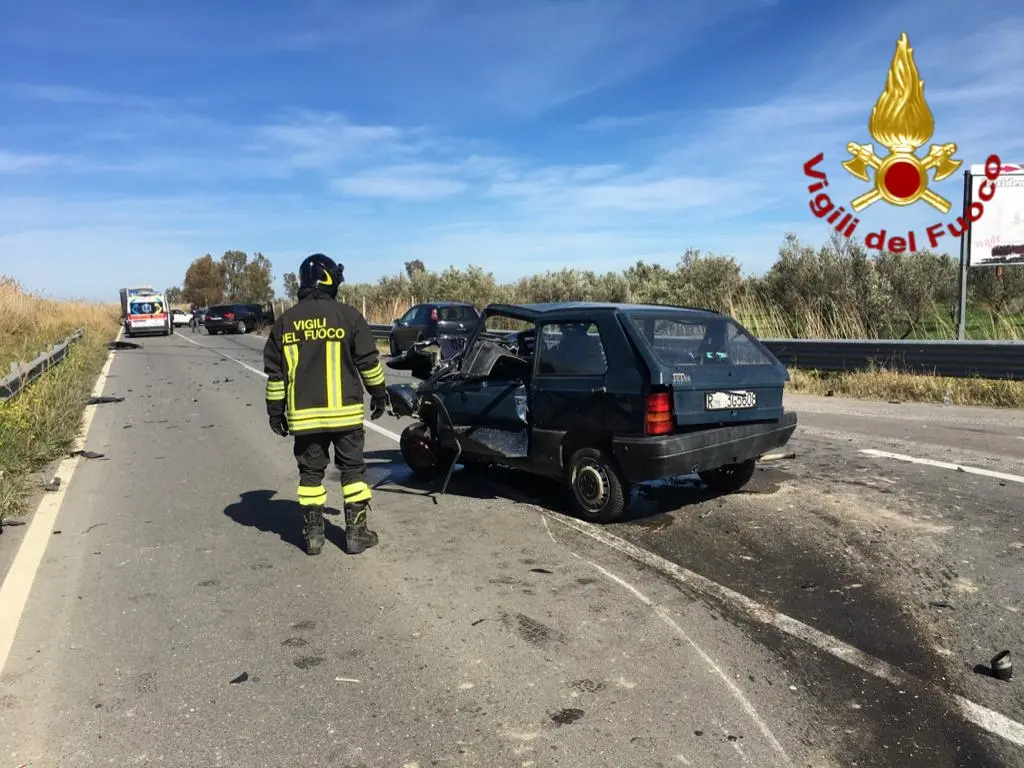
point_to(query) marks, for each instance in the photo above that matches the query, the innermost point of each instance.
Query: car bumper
(220, 325)
(654, 458)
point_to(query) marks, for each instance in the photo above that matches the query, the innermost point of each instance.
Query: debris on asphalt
(53, 485)
(100, 400)
(240, 679)
(206, 426)
(777, 456)
(540, 570)
(809, 585)
(87, 454)
(940, 604)
(123, 345)
(478, 621)
(56, 532)
(346, 680)
(1002, 666)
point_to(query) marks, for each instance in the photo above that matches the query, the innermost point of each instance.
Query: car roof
(446, 304)
(534, 311)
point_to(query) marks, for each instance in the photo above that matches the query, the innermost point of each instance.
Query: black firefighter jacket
(317, 358)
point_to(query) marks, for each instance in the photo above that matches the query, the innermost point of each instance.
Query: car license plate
(727, 401)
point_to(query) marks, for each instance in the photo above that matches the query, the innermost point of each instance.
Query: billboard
(997, 238)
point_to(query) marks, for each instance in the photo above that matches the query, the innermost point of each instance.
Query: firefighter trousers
(312, 454)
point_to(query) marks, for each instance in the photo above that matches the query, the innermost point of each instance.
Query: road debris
(1002, 666)
(240, 679)
(87, 454)
(52, 485)
(100, 400)
(940, 604)
(123, 345)
(346, 680)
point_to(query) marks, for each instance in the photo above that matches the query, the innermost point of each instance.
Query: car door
(489, 409)
(407, 330)
(568, 389)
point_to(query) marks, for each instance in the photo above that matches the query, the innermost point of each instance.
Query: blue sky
(517, 135)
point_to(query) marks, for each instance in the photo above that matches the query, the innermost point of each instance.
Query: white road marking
(17, 585)
(944, 465)
(667, 618)
(987, 719)
(370, 424)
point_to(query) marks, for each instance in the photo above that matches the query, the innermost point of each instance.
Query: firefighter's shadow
(260, 510)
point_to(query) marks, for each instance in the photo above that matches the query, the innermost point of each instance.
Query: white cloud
(410, 182)
(17, 163)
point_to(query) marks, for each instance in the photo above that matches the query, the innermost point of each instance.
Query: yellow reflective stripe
(312, 495)
(373, 376)
(308, 425)
(333, 356)
(291, 356)
(275, 390)
(359, 491)
(345, 410)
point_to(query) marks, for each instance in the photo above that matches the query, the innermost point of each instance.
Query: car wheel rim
(590, 484)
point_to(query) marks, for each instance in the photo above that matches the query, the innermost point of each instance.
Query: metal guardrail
(23, 374)
(958, 359)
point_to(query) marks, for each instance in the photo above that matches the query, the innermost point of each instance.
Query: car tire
(393, 347)
(240, 328)
(730, 478)
(418, 452)
(210, 331)
(596, 490)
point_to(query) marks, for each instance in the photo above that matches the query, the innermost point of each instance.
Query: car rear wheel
(210, 331)
(730, 478)
(241, 327)
(596, 490)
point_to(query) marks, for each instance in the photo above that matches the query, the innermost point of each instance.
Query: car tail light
(433, 314)
(229, 315)
(658, 414)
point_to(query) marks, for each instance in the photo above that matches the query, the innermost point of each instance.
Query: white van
(148, 314)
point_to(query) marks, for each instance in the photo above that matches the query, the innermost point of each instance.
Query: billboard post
(997, 240)
(965, 261)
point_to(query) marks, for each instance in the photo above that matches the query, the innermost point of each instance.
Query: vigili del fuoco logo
(902, 123)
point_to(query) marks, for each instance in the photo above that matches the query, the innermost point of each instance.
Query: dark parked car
(426, 321)
(602, 396)
(233, 318)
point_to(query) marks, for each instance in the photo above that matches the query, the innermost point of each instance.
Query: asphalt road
(489, 630)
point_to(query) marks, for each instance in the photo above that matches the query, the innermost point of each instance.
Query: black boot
(314, 530)
(357, 536)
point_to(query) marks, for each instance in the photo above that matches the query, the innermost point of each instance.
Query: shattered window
(571, 349)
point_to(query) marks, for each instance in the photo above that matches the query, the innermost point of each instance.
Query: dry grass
(40, 424)
(906, 387)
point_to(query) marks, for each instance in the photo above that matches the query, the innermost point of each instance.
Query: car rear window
(456, 313)
(221, 309)
(684, 341)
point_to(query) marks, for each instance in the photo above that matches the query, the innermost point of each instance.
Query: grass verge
(907, 387)
(41, 423)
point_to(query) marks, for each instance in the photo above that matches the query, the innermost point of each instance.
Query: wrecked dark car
(600, 396)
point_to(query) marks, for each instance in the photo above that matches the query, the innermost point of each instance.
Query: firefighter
(318, 357)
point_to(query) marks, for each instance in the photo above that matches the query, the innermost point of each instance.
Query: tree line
(234, 277)
(835, 291)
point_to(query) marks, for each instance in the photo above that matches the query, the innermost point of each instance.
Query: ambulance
(148, 314)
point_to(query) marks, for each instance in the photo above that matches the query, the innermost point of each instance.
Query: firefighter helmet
(321, 273)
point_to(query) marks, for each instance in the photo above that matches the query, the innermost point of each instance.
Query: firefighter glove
(279, 424)
(378, 405)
